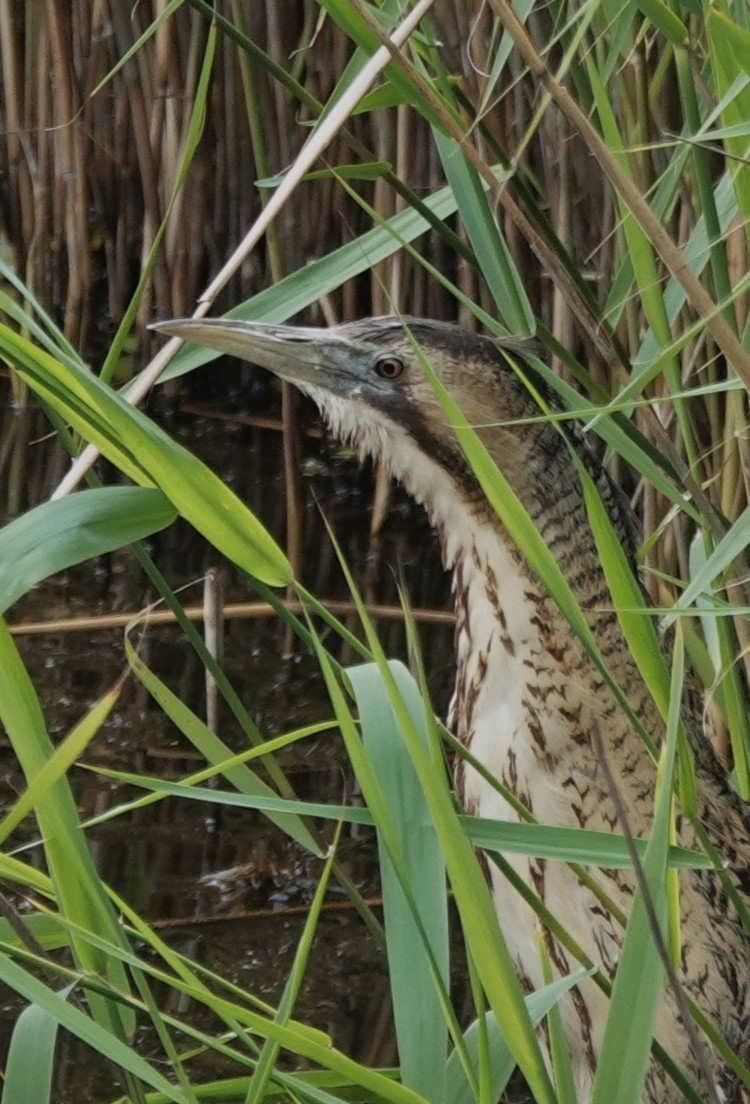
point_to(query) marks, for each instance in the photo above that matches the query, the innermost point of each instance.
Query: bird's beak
(296, 353)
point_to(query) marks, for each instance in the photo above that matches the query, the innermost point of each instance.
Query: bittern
(529, 702)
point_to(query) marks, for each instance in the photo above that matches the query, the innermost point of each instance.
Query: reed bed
(575, 173)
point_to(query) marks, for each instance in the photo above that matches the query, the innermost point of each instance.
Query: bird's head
(369, 381)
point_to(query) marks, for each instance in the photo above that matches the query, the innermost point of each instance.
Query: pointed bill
(299, 354)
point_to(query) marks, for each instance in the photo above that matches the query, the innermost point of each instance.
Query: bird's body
(529, 704)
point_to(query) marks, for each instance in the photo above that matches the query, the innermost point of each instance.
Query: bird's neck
(494, 597)
(495, 594)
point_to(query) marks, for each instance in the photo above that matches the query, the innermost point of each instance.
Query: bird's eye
(389, 368)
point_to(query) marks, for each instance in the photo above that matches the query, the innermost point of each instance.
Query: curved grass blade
(79, 1024)
(29, 1067)
(78, 889)
(146, 454)
(56, 535)
(64, 755)
(639, 980)
(573, 845)
(492, 253)
(294, 1036)
(502, 1063)
(418, 1011)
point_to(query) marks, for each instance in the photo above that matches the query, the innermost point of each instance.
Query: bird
(529, 703)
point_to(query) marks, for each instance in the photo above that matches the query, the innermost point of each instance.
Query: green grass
(588, 182)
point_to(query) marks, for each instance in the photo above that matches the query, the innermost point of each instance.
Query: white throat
(494, 616)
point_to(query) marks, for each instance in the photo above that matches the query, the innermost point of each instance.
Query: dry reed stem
(216, 203)
(668, 250)
(309, 154)
(233, 611)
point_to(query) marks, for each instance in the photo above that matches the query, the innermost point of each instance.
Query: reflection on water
(220, 884)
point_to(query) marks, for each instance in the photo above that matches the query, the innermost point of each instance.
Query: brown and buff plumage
(528, 702)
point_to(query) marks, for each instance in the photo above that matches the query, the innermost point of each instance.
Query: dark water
(224, 885)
